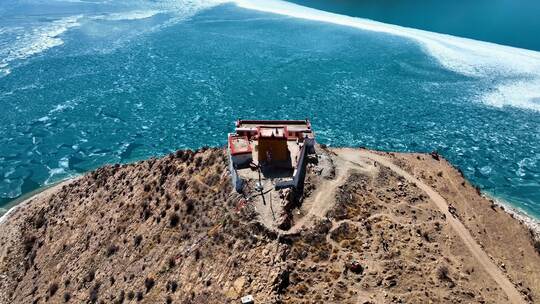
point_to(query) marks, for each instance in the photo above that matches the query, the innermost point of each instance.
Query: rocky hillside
(171, 230)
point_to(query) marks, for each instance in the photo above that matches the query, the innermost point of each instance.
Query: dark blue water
(128, 84)
(507, 22)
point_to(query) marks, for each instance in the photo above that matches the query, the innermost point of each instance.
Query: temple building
(274, 148)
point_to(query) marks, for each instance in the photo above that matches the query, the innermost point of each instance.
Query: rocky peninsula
(372, 227)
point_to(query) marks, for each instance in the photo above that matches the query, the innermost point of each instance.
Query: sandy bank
(37, 195)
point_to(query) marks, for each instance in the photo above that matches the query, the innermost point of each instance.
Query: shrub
(94, 293)
(168, 300)
(367, 225)
(89, 276)
(442, 273)
(172, 286)
(130, 295)
(137, 240)
(39, 220)
(146, 214)
(190, 206)
(112, 249)
(174, 219)
(121, 298)
(67, 297)
(181, 184)
(425, 235)
(52, 289)
(172, 262)
(28, 243)
(536, 245)
(139, 296)
(149, 283)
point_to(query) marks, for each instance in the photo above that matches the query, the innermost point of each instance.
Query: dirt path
(359, 156)
(325, 193)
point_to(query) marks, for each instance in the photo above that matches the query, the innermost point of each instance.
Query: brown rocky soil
(171, 230)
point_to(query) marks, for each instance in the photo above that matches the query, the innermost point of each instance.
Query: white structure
(247, 299)
(240, 150)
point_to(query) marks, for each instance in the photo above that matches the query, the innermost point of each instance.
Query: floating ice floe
(466, 56)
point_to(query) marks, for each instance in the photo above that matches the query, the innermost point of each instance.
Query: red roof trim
(274, 122)
(231, 146)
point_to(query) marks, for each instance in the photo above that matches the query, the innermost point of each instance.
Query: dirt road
(323, 198)
(325, 193)
(360, 156)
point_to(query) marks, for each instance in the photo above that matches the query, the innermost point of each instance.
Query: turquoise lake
(508, 22)
(87, 83)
